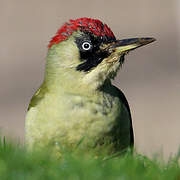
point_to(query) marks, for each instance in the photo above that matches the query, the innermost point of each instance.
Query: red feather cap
(94, 26)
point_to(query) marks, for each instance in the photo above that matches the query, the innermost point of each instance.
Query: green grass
(18, 164)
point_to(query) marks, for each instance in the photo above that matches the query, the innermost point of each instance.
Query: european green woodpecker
(77, 103)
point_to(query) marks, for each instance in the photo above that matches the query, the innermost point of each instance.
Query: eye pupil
(86, 46)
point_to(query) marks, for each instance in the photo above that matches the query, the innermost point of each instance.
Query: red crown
(94, 26)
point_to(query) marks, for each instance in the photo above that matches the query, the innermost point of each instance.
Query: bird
(77, 104)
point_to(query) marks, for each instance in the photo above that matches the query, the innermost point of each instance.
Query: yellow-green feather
(72, 106)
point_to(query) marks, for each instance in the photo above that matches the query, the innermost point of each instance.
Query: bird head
(86, 51)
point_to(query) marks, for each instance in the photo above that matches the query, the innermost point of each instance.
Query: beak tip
(147, 40)
(152, 39)
(144, 41)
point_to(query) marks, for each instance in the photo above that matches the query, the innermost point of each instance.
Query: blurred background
(150, 77)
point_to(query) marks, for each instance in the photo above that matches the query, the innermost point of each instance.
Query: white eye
(86, 46)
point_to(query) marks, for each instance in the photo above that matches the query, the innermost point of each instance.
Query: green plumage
(80, 106)
(100, 117)
(66, 109)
